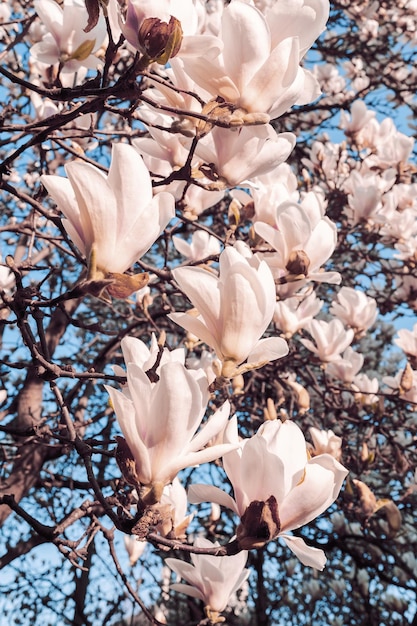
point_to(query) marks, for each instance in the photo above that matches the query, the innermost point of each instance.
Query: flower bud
(159, 40)
(259, 524)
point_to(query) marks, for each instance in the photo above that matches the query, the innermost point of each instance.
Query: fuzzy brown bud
(259, 524)
(160, 41)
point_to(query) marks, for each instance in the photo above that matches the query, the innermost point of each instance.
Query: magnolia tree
(208, 289)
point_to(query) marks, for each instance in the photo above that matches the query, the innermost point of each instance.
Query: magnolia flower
(331, 338)
(345, 368)
(234, 309)
(202, 245)
(366, 389)
(134, 548)
(174, 501)
(304, 239)
(66, 41)
(277, 488)
(355, 309)
(326, 442)
(295, 313)
(212, 579)
(407, 340)
(233, 156)
(404, 383)
(159, 421)
(112, 219)
(258, 68)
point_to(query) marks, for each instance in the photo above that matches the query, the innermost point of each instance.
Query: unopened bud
(270, 412)
(160, 41)
(126, 462)
(298, 263)
(407, 379)
(259, 524)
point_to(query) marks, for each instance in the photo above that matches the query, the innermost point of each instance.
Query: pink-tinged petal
(98, 208)
(273, 79)
(140, 389)
(268, 349)
(61, 191)
(193, 459)
(214, 425)
(311, 88)
(261, 474)
(287, 442)
(126, 417)
(46, 51)
(74, 236)
(135, 351)
(200, 47)
(196, 326)
(309, 345)
(241, 312)
(131, 184)
(177, 408)
(305, 19)
(201, 287)
(186, 589)
(254, 155)
(145, 229)
(311, 557)
(211, 76)
(209, 493)
(317, 490)
(184, 569)
(246, 38)
(51, 15)
(321, 243)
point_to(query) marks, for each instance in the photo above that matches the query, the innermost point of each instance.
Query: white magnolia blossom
(346, 367)
(303, 238)
(159, 420)
(293, 314)
(326, 442)
(276, 486)
(201, 246)
(236, 155)
(65, 41)
(330, 338)
(235, 308)
(407, 340)
(134, 548)
(366, 389)
(174, 499)
(355, 309)
(113, 218)
(258, 68)
(212, 579)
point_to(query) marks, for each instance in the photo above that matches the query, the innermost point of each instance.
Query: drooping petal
(268, 349)
(309, 556)
(210, 493)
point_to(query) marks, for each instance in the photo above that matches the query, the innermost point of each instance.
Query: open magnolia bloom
(66, 41)
(159, 421)
(331, 338)
(212, 579)
(258, 69)
(234, 156)
(277, 488)
(235, 308)
(112, 219)
(304, 239)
